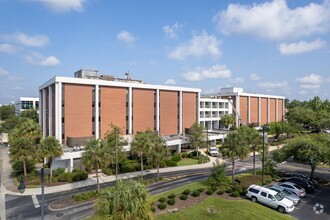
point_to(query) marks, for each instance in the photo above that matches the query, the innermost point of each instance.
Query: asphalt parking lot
(314, 205)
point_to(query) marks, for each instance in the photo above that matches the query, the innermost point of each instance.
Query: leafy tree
(12, 122)
(96, 155)
(128, 200)
(50, 148)
(6, 111)
(228, 120)
(234, 147)
(253, 139)
(196, 136)
(141, 145)
(31, 114)
(218, 176)
(276, 129)
(159, 151)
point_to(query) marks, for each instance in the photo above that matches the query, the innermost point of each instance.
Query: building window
(37, 105)
(63, 136)
(26, 104)
(93, 119)
(93, 104)
(62, 119)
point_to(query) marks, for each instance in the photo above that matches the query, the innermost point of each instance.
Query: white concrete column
(259, 110)
(249, 110)
(178, 150)
(44, 129)
(276, 108)
(198, 106)
(50, 110)
(180, 112)
(71, 165)
(237, 113)
(157, 111)
(59, 121)
(130, 110)
(268, 110)
(97, 112)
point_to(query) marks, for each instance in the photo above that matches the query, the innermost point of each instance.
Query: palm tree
(234, 147)
(50, 148)
(253, 139)
(128, 200)
(196, 136)
(228, 119)
(141, 146)
(159, 151)
(96, 155)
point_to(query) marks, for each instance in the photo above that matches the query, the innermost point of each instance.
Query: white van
(270, 198)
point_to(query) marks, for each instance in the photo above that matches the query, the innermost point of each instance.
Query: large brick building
(85, 106)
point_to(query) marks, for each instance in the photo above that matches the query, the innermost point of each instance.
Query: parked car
(214, 152)
(270, 198)
(307, 185)
(292, 187)
(289, 195)
(299, 175)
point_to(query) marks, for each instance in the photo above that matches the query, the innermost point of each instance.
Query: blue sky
(272, 47)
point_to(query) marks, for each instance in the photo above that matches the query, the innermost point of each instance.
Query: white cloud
(275, 20)
(8, 48)
(214, 72)
(237, 80)
(63, 5)
(126, 37)
(310, 79)
(301, 47)
(209, 91)
(170, 82)
(309, 86)
(254, 77)
(171, 31)
(4, 74)
(302, 92)
(38, 59)
(29, 41)
(198, 46)
(269, 86)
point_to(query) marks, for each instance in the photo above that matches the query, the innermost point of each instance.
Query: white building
(26, 103)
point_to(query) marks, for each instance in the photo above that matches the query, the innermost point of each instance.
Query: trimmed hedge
(183, 196)
(162, 205)
(235, 194)
(176, 158)
(201, 190)
(209, 192)
(171, 163)
(186, 192)
(221, 192)
(171, 196)
(75, 176)
(196, 193)
(153, 209)
(162, 199)
(171, 201)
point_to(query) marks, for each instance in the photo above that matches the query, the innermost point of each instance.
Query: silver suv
(270, 198)
(289, 195)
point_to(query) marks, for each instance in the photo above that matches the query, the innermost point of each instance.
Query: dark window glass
(263, 194)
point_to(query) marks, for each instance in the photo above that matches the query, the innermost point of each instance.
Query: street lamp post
(22, 187)
(263, 153)
(116, 156)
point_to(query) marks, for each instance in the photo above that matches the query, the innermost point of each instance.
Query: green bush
(162, 199)
(183, 196)
(235, 194)
(176, 158)
(201, 190)
(186, 192)
(171, 196)
(171, 201)
(108, 171)
(162, 164)
(162, 205)
(153, 209)
(58, 172)
(203, 159)
(85, 196)
(221, 192)
(76, 175)
(130, 166)
(184, 155)
(229, 190)
(209, 192)
(19, 169)
(196, 193)
(171, 163)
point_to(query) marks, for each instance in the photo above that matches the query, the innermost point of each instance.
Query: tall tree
(218, 176)
(50, 148)
(196, 136)
(234, 147)
(228, 120)
(31, 114)
(159, 151)
(128, 200)
(96, 155)
(6, 111)
(253, 139)
(142, 145)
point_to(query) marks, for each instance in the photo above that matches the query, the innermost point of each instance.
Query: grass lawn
(187, 161)
(226, 209)
(178, 191)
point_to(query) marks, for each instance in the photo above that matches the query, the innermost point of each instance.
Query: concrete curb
(68, 207)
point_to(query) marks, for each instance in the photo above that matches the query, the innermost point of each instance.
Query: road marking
(35, 201)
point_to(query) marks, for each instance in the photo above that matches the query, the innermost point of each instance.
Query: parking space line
(35, 201)
(310, 196)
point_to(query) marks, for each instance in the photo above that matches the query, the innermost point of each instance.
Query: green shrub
(58, 172)
(176, 158)
(162, 199)
(107, 171)
(184, 155)
(201, 190)
(229, 190)
(171, 196)
(128, 168)
(196, 193)
(221, 192)
(203, 159)
(171, 201)
(162, 205)
(162, 164)
(209, 192)
(171, 163)
(183, 196)
(76, 175)
(153, 209)
(19, 169)
(235, 194)
(186, 192)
